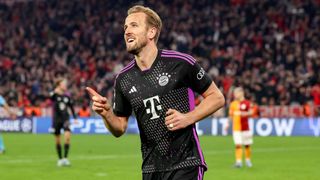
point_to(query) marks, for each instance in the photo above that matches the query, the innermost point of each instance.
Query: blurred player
(239, 113)
(158, 86)
(61, 119)
(6, 107)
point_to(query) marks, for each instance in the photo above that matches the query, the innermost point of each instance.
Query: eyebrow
(131, 23)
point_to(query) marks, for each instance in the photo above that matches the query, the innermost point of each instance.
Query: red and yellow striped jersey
(240, 122)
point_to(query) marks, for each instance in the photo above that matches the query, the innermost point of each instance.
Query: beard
(137, 47)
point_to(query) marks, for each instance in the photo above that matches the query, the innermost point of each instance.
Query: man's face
(238, 94)
(135, 32)
(63, 85)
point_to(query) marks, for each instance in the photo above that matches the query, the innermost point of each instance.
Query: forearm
(116, 125)
(7, 108)
(208, 106)
(243, 113)
(73, 112)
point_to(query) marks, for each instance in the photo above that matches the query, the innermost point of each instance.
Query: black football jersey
(61, 103)
(169, 83)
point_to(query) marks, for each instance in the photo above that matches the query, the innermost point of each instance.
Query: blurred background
(269, 47)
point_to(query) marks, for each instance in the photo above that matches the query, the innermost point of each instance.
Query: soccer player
(239, 112)
(61, 103)
(6, 107)
(158, 86)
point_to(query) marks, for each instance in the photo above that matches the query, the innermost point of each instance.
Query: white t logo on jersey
(153, 109)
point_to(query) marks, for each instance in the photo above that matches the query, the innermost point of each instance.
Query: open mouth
(130, 40)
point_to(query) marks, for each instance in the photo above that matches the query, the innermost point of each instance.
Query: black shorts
(58, 125)
(191, 173)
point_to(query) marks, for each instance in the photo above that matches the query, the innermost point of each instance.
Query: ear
(152, 32)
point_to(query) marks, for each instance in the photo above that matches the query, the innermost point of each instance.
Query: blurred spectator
(84, 111)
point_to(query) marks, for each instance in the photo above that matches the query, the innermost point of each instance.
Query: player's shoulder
(177, 56)
(52, 94)
(234, 103)
(247, 102)
(126, 69)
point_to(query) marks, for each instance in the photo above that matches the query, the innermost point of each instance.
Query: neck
(146, 57)
(59, 91)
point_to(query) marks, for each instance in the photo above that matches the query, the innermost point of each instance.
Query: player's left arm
(199, 81)
(71, 106)
(213, 100)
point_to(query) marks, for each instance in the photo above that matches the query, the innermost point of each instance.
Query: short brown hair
(58, 81)
(153, 19)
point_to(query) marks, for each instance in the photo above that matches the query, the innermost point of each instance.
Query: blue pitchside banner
(209, 126)
(17, 125)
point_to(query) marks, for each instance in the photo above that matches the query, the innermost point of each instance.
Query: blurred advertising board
(24, 125)
(209, 126)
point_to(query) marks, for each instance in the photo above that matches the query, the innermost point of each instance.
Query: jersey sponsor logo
(151, 106)
(163, 79)
(133, 89)
(243, 106)
(200, 74)
(62, 106)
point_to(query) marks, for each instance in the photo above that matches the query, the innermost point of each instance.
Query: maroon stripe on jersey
(180, 53)
(244, 120)
(244, 123)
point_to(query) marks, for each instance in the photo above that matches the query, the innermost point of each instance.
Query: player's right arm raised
(117, 125)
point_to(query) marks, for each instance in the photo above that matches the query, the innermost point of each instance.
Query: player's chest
(62, 99)
(155, 83)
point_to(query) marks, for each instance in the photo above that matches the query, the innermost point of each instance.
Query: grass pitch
(95, 157)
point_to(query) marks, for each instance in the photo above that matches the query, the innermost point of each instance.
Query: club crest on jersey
(243, 106)
(163, 79)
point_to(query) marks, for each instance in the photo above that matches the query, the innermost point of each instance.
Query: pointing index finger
(93, 92)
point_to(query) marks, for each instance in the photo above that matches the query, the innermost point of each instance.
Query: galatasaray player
(239, 113)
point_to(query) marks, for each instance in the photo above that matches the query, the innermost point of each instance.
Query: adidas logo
(132, 90)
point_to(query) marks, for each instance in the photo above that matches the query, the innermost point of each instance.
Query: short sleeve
(197, 79)
(52, 95)
(2, 101)
(121, 105)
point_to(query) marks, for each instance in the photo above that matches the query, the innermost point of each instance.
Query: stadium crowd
(270, 47)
